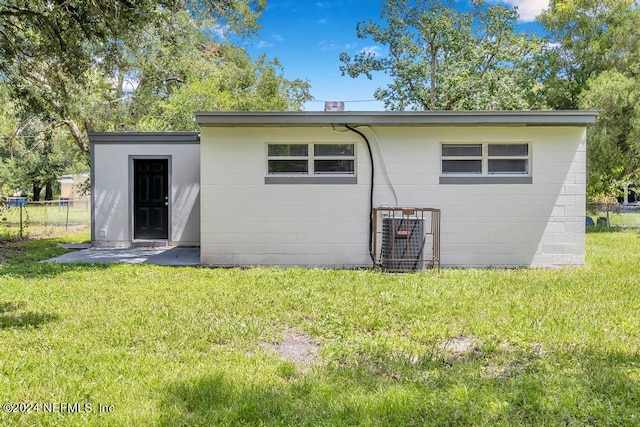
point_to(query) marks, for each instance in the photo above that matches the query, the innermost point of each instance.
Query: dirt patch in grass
(9, 248)
(515, 361)
(462, 346)
(295, 347)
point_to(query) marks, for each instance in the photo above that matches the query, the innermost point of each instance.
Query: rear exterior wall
(112, 192)
(245, 221)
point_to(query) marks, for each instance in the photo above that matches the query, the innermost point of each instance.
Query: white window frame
(485, 157)
(307, 158)
(311, 157)
(314, 157)
(311, 177)
(485, 176)
(476, 158)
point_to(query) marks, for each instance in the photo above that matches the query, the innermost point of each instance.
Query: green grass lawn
(625, 220)
(43, 220)
(164, 346)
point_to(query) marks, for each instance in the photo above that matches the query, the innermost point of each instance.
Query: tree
(441, 58)
(33, 155)
(114, 65)
(50, 50)
(594, 63)
(178, 69)
(586, 37)
(229, 81)
(614, 141)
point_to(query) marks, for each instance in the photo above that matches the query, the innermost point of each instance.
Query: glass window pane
(508, 166)
(288, 150)
(462, 166)
(459, 150)
(508, 149)
(288, 166)
(333, 166)
(333, 149)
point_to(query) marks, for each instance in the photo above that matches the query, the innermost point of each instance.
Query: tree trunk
(48, 191)
(120, 86)
(77, 134)
(36, 192)
(433, 67)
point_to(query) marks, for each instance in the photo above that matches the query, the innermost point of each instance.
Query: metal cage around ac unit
(406, 239)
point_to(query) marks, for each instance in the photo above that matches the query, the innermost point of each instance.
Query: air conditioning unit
(403, 242)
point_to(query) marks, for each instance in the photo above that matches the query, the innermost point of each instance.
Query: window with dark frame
(311, 159)
(288, 159)
(486, 159)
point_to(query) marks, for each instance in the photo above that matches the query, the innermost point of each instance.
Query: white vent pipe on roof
(334, 106)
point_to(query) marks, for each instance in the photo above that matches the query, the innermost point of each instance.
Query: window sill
(274, 179)
(471, 180)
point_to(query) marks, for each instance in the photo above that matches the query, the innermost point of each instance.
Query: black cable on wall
(371, 186)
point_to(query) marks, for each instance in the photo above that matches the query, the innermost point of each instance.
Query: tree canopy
(97, 65)
(441, 58)
(64, 58)
(593, 62)
(77, 33)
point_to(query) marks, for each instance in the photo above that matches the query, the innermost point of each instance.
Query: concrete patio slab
(176, 256)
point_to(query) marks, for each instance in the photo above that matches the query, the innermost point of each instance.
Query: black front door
(150, 198)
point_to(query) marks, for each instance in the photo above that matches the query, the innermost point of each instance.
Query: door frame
(131, 207)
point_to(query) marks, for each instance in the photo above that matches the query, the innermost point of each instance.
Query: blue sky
(307, 36)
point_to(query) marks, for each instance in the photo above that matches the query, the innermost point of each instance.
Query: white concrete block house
(294, 188)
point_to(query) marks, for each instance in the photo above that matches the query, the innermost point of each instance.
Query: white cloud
(277, 37)
(528, 9)
(322, 21)
(263, 44)
(327, 45)
(371, 50)
(220, 30)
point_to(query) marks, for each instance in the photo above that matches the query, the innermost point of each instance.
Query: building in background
(74, 190)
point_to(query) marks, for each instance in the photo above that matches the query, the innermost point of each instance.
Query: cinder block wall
(247, 222)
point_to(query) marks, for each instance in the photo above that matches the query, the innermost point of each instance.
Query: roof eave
(144, 138)
(395, 118)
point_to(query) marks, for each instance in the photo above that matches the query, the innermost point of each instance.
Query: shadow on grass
(19, 252)
(576, 388)
(22, 258)
(27, 319)
(13, 316)
(6, 307)
(35, 270)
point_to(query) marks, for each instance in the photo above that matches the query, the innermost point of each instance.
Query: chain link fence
(20, 218)
(613, 216)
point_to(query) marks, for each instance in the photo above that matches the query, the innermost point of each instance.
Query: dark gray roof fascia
(144, 137)
(396, 118)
